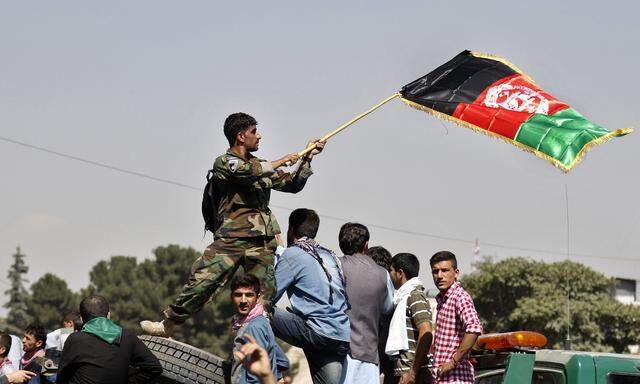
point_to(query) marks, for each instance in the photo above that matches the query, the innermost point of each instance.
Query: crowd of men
(356, 316)
(89, 348)
(339, 306)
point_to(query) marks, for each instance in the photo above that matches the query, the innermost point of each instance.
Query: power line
(336, 218)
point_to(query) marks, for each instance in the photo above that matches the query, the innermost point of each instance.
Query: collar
(249, 155)
(452, 289)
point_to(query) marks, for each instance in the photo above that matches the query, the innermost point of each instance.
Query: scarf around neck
(238, 321)
(104, 329)
(24, 361)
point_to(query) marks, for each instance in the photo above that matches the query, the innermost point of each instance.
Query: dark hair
(235, 123)
(444, 256)
(5, 341)
(246, 280)
(303, 222)
(93, 306)
(77, 323)
(69, 317)
(38, 332)
(408, 263)
(380, 255)
(352, 238)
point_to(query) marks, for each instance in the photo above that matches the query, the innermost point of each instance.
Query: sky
(145, 86)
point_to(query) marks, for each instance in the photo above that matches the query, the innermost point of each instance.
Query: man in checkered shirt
(457, 323)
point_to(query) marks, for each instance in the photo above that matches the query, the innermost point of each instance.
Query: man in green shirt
(246, 229)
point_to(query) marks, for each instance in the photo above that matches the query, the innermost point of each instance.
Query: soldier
(246, 229)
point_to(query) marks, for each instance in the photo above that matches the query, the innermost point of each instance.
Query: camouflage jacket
(244, 187)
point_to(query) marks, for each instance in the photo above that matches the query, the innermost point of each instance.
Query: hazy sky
(146, 85)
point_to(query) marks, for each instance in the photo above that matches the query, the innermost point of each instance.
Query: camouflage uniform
(246, 237)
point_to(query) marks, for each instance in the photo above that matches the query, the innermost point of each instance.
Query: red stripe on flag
(504, 105)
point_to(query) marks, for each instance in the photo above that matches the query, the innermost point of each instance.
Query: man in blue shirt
(311, 275)
(250, 320)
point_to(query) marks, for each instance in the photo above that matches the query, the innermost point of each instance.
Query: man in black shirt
(103, 352)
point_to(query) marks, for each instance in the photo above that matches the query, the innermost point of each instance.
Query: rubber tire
(185, 364)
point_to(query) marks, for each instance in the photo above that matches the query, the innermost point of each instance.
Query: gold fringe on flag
(555, 162)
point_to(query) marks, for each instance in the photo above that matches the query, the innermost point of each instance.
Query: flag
(490, 95)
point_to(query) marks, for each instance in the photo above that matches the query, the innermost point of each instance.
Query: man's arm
(67, 357)
(146, 366)
(285, 274)
(466, 311)
(238, 171)
(421, 315)
(295, 182)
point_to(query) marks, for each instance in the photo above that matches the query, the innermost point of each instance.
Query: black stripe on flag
(460, 80)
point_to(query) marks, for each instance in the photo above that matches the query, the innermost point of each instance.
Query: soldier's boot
(162, 328)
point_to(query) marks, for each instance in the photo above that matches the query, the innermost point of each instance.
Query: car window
(547, 377)
(623, 378)
(490, 379)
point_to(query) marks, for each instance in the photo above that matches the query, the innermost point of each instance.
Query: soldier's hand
(319, 146)
(287, 160)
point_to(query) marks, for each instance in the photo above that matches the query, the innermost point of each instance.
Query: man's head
(245, 292)
(404, 266)
(241, 129)
(94, 306)
(381, 256)
(303, 222)
(444, 269)
(5, 345)
(35, 337)
(67, 320)
(353, 238)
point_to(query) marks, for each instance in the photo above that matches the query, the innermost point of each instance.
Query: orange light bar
(510, 340)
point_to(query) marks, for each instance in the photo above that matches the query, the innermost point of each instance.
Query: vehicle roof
(563, 357)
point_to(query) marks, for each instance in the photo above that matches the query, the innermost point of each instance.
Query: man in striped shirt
(410, 331)
(457, 323)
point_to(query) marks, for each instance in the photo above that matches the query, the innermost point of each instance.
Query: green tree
(139, 291)
(18, 318)
(518, 293)
(50, 300)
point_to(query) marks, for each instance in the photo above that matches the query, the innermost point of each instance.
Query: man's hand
(287, 160)
(256, 360)
(408, 378)
(20, 376)
(446, 368)
(319, 146)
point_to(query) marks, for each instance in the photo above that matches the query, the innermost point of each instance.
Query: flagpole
(345, 125)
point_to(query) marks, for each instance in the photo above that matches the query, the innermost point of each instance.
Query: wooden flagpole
(345, 125)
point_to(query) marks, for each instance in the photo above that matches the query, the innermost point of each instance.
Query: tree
(50, 300)
(518, 293)
(18, 317)
(139, 291)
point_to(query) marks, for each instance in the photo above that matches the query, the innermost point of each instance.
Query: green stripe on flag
(560, 136)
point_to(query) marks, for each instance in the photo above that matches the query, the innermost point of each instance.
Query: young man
(457, 323)
(370, 294)
(5, 346)
(312, 278)
(250, 320)
(382, 257)
(103, 352)
(245, 228)
(56, 339)
(33, 344)
(410, 331)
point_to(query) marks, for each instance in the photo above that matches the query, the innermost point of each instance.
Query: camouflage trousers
(212, 271)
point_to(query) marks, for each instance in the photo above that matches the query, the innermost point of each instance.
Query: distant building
(626, 291)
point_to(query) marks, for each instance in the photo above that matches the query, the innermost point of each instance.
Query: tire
(185, 364)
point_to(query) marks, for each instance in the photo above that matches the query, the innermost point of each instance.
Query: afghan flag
(490, 95)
